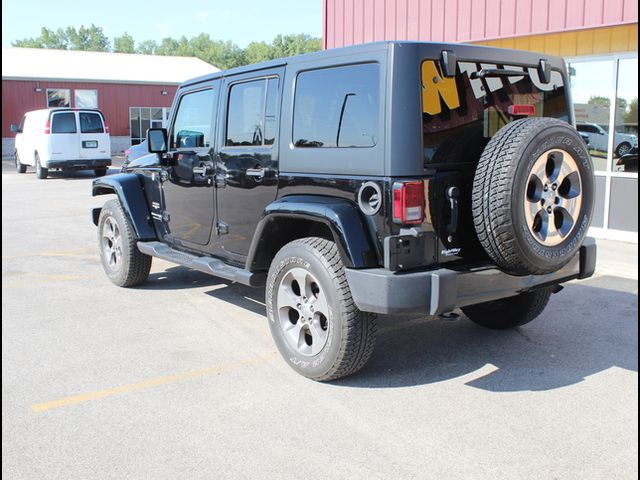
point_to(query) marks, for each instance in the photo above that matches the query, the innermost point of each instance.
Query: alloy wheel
(553, 197)
(303, 311)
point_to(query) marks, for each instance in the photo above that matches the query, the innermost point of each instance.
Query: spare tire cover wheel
(533, 196)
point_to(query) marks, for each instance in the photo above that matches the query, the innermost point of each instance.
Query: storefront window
(141, 118)
(592, 89)
(626, 131)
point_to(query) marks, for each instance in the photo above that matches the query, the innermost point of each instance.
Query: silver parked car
(599, 139)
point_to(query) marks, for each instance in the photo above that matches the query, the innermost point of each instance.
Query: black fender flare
(342, 217)
(128, 189)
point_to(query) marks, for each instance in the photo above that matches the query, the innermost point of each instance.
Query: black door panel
(247, 163)
(188, 194)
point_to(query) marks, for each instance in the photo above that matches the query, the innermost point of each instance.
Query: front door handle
(203, 170)
(257, 173)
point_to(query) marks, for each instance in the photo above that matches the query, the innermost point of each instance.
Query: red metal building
(133, 91)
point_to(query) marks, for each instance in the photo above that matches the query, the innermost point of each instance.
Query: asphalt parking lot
(180, 378)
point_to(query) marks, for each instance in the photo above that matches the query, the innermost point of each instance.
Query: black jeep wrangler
(392, 177)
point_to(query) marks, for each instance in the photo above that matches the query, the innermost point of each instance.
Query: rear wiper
(499, 72)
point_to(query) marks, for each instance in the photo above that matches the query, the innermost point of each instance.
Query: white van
(62, 138)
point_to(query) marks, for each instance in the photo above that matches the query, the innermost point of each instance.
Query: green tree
(124, 44)
(606, 102)
(222, 54)
(168, 46)
(631, 114)
(258, 52)
(47, 39)
(599, 100)
(289, 45)
(92, 38)
(147, 47)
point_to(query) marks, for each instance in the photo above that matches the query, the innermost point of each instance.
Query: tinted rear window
(461, 114)
(91, 123)
(64, 123)
(337, 107)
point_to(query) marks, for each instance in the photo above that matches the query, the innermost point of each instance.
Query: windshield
(461, 114)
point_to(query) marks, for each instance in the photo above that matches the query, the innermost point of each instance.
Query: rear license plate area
(90, 144)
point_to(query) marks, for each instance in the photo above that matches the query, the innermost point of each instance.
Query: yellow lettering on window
(434, 87)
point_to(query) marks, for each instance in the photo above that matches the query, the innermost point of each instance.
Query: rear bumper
(79, 164)
(439, 291)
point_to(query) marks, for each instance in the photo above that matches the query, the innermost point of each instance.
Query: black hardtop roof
(350, 50)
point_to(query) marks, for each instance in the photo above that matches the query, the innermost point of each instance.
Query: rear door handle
(256, 172)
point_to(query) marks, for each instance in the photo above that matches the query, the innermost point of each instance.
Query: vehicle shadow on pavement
(178, 278)
(583, 331)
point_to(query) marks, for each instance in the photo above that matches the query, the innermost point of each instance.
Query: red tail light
(47, 127)
(521, 110)
(408, 202)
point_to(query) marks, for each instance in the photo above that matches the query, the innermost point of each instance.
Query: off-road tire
(134, 266)
(509, 312)
(41, 172)
(20, 167)
(351, 333)
(499, 186)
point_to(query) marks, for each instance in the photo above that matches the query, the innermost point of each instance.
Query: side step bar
(212, 266)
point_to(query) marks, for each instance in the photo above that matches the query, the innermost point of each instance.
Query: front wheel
(124, 264)
(316, 325)
(623, 149)
(509, 312)
(20, 167)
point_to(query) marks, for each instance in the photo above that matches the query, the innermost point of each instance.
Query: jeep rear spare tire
(533, 196)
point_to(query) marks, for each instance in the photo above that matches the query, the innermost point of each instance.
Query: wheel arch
(128, 188)
(299, 216)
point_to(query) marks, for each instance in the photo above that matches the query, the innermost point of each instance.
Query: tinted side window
(91, 123)
(64, 123)
(337, 107)
(192, 126)
(245, 114)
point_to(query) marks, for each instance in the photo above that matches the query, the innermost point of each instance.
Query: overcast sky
(240, 21)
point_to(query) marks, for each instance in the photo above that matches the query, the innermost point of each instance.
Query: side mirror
(157, 140)
(14, 128)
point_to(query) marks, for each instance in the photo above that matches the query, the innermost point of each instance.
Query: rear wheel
(123, 263)
(509, 312)
(41, 172)
(100, 172)
(20, 167)
(315, 324)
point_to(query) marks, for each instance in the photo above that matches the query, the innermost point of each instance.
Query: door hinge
(221, 180)
(222, 228)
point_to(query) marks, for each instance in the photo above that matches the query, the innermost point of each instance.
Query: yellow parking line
(145, 384)
(71, 253)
